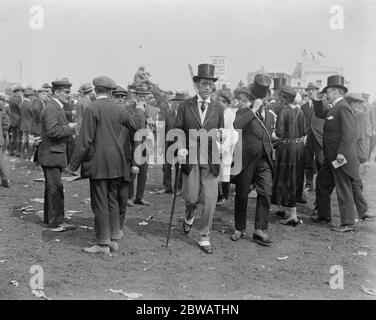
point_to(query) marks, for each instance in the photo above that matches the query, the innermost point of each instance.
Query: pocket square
(330, 118)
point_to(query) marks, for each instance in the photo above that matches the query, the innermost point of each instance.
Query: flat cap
(104, 82)
(43, 89)
(354, 97)
(61, 84)
(46, 86)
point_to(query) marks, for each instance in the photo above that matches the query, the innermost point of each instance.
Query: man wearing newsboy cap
(100, 153)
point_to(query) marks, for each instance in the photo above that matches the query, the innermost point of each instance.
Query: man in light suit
(201, 166)
(339, 144)
(52, 153)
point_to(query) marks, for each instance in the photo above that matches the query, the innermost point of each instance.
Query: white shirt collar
(336, 100)
(59, 103)
(199, 99)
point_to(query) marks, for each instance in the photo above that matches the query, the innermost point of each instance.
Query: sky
(84, 39)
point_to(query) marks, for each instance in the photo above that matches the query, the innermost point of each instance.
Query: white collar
(199, 99)
(336, 100)
(59, 103)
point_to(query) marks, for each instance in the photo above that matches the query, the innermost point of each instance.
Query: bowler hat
(354, 97)
(205, 71)
(335, 81)
(86, 87)
(119, 91)
(104, 82)
(278, 83)
(311, 85)
(28, 92)
(259, 89)
(61, 84)
(179, 97)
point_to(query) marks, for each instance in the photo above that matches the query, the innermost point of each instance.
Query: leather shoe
(207, 249)
(237, 235)
(187, 227)
(343, 228)
(113, 246)
(264, 241)
(369, 216)
(130, 203)
(289, 222)
(318, 219)
(6, 183)
(142, 202)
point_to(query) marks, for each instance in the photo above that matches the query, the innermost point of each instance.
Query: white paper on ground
(130, 296)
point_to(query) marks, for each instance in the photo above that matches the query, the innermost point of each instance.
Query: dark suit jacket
(100, 147)
(314, 126)
(188, 117)
(52, 151)
(14, 108)
(82, 104)
(26, 116)
(339, 134)
(255, 135)
(37, 107)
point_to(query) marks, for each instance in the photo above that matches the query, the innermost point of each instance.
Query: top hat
(335, 81)
(259, 89)
(311, 85)
(205, 71)
(279, 82)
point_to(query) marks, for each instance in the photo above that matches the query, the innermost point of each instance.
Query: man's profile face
(310, 92)
(43, 95)
(63, 95)
(331, 94)
(205, 88)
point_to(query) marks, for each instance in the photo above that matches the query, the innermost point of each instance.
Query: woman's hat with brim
(288, 93)
(205, 71)
(335, 81)
(259, 89)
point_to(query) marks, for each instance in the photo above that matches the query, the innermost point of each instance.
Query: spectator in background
(15, 121)
(87, 96)
(4, 163)
(25, 126)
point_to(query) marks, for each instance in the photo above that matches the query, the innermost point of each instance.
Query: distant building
(274, 73)
(313, 69)
(220, 63)
(5, 86)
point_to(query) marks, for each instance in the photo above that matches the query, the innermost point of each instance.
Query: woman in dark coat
(289, 162)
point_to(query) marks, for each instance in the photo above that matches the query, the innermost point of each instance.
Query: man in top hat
(313, 150)
(339, 141)
(100, 153)
(200, 168)
(15, 121)
(52, 153)
(257, 126)
(169, 107)
(88, 95)
(26, 121)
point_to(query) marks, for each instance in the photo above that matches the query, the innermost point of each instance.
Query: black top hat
(335, 81)
(205, 71)
(259, 89)
(279, 82)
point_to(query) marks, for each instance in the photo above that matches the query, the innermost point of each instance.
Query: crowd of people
(271, 140)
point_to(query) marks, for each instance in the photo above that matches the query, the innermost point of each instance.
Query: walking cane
(173, 204)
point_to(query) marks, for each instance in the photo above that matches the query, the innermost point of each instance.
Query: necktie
(202, 106)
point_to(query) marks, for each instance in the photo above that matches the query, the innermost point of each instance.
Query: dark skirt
(288, 170)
